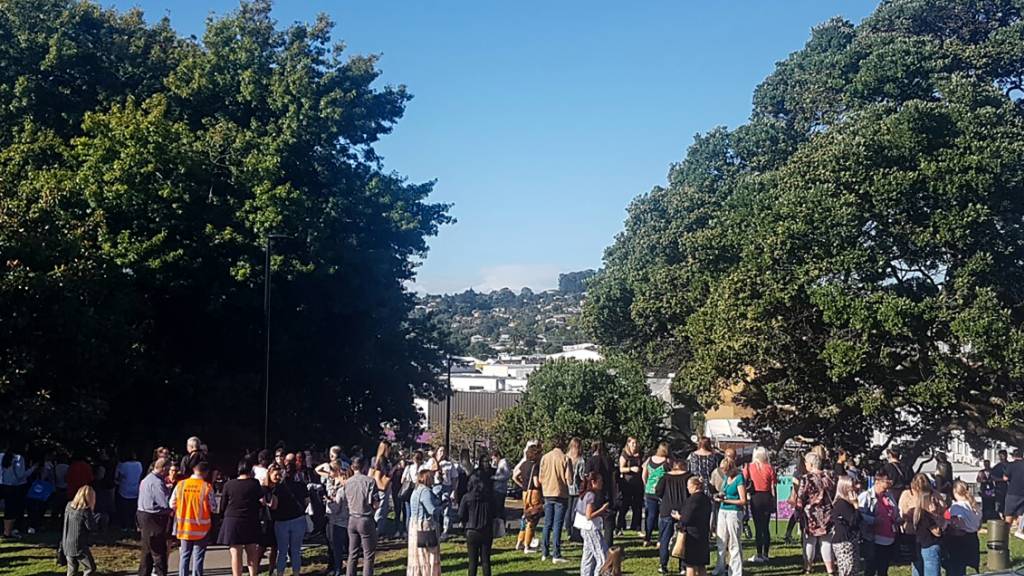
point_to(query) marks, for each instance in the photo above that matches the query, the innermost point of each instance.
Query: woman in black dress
(672, 491)
(241, 501)
(695, 520)
(630, 462)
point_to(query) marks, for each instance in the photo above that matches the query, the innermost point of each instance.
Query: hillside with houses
(503, 322)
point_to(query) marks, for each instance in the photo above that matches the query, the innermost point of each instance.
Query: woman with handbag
(290, 499)
(589, 520)
(695, 528)
(424, 544)
(410, 477)
(576, 464)
(533, 501)
(846, 528)
(672, 493)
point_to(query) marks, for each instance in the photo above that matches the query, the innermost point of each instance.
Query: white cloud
(537, 277)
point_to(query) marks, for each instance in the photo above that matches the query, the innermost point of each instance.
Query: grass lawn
(34, 556)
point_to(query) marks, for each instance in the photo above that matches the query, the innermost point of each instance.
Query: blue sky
(540, 121)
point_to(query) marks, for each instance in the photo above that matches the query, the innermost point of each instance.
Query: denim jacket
(868, 504)
(424, 504)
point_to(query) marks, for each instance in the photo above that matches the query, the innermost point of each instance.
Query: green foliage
(606, 400)
(853, 255)
(139, 175)
(467, 433)
(503, 321)
(575, 282)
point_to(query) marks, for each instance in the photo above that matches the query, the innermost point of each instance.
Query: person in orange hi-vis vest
(192, 502)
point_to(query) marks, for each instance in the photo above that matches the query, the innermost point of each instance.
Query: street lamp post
(268, 249)
(448, 413)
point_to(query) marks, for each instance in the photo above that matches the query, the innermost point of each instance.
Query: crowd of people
(684, 504)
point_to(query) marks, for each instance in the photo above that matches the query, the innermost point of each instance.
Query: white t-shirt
(259, 473)
(447, 474)
(128, 476)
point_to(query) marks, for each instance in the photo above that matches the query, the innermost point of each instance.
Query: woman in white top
(14, 485)
(409, 478)
(961, 538)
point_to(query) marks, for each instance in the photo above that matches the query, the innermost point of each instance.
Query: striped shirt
(76, 524)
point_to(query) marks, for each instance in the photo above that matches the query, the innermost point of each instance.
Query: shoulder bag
(679, 548)
(426, 534)
(405, 492)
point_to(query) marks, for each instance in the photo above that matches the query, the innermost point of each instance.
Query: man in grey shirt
(153, 516)
(362, 531)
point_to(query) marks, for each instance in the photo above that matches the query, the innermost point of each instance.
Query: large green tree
(140, 174)
(607, 400)
(854, 254)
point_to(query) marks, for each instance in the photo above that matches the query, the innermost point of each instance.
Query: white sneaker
(529, 550)
(535, 543)
(558, 560)
(543, 558)
(753, 559)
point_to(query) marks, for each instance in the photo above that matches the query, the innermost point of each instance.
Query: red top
(762, 476)
(79, 474)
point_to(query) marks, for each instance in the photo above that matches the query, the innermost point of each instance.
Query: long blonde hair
(924, 497)
(963, 494)
(84, 498)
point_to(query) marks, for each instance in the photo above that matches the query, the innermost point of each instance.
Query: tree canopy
(482, 324)
(575, 282)
(607, 400)
(854, 254)
(140, 174)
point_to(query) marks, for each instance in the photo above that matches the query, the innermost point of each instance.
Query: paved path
(218, 561)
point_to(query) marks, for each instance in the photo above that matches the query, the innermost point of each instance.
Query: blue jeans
(446, 511)
(651, 506)
(927, 561)
(191, 557)
(554, 516)
(666, 528)
(289, 534)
